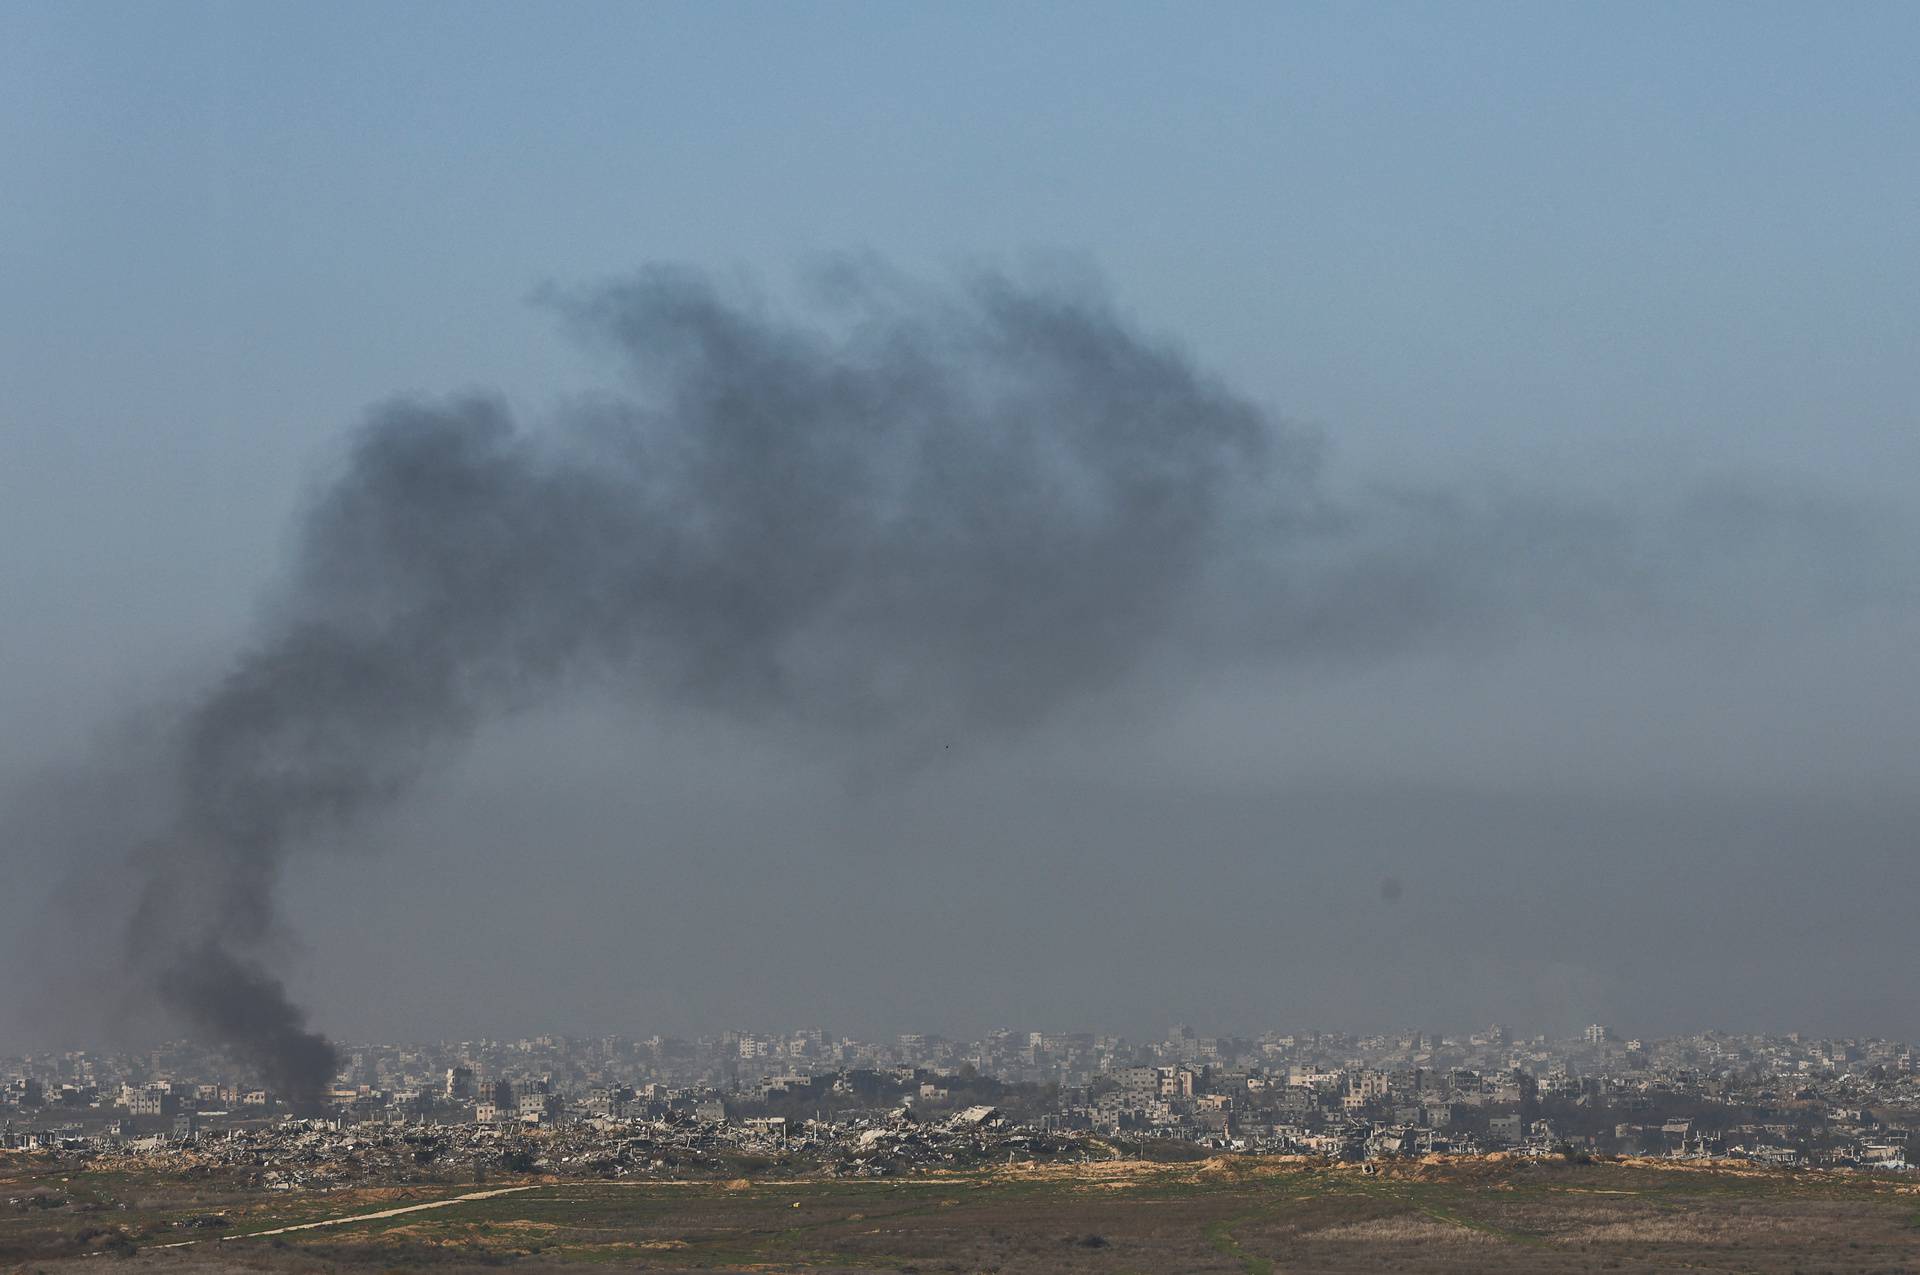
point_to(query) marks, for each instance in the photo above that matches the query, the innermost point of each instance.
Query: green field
(1229, 1216)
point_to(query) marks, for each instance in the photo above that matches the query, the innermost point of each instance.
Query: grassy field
(1229, 1216)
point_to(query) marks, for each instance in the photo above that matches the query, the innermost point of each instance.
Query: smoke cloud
(910, 514)
(916, 512)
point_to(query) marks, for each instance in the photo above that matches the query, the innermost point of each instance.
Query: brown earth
(1227, 1214)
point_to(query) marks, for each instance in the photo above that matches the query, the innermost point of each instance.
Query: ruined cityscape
(866, 522)
(811, 1101)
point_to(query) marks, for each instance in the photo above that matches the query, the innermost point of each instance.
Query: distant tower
(1598, 1035)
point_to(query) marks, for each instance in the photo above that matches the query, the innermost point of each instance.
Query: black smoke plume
(912, 514)
(916, 510)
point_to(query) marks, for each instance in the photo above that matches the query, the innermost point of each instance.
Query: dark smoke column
(955, 506)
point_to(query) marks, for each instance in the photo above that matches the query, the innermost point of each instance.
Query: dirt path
(364, 1217)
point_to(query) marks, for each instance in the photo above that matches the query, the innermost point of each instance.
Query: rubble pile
(317, 1155)
(742, 1105)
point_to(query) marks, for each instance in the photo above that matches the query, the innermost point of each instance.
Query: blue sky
(1508, 231)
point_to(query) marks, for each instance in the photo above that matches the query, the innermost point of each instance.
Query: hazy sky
(1658, 261)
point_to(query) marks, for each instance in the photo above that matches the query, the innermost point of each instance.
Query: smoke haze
(941, 513)
(1491, 476)
(905, 516)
